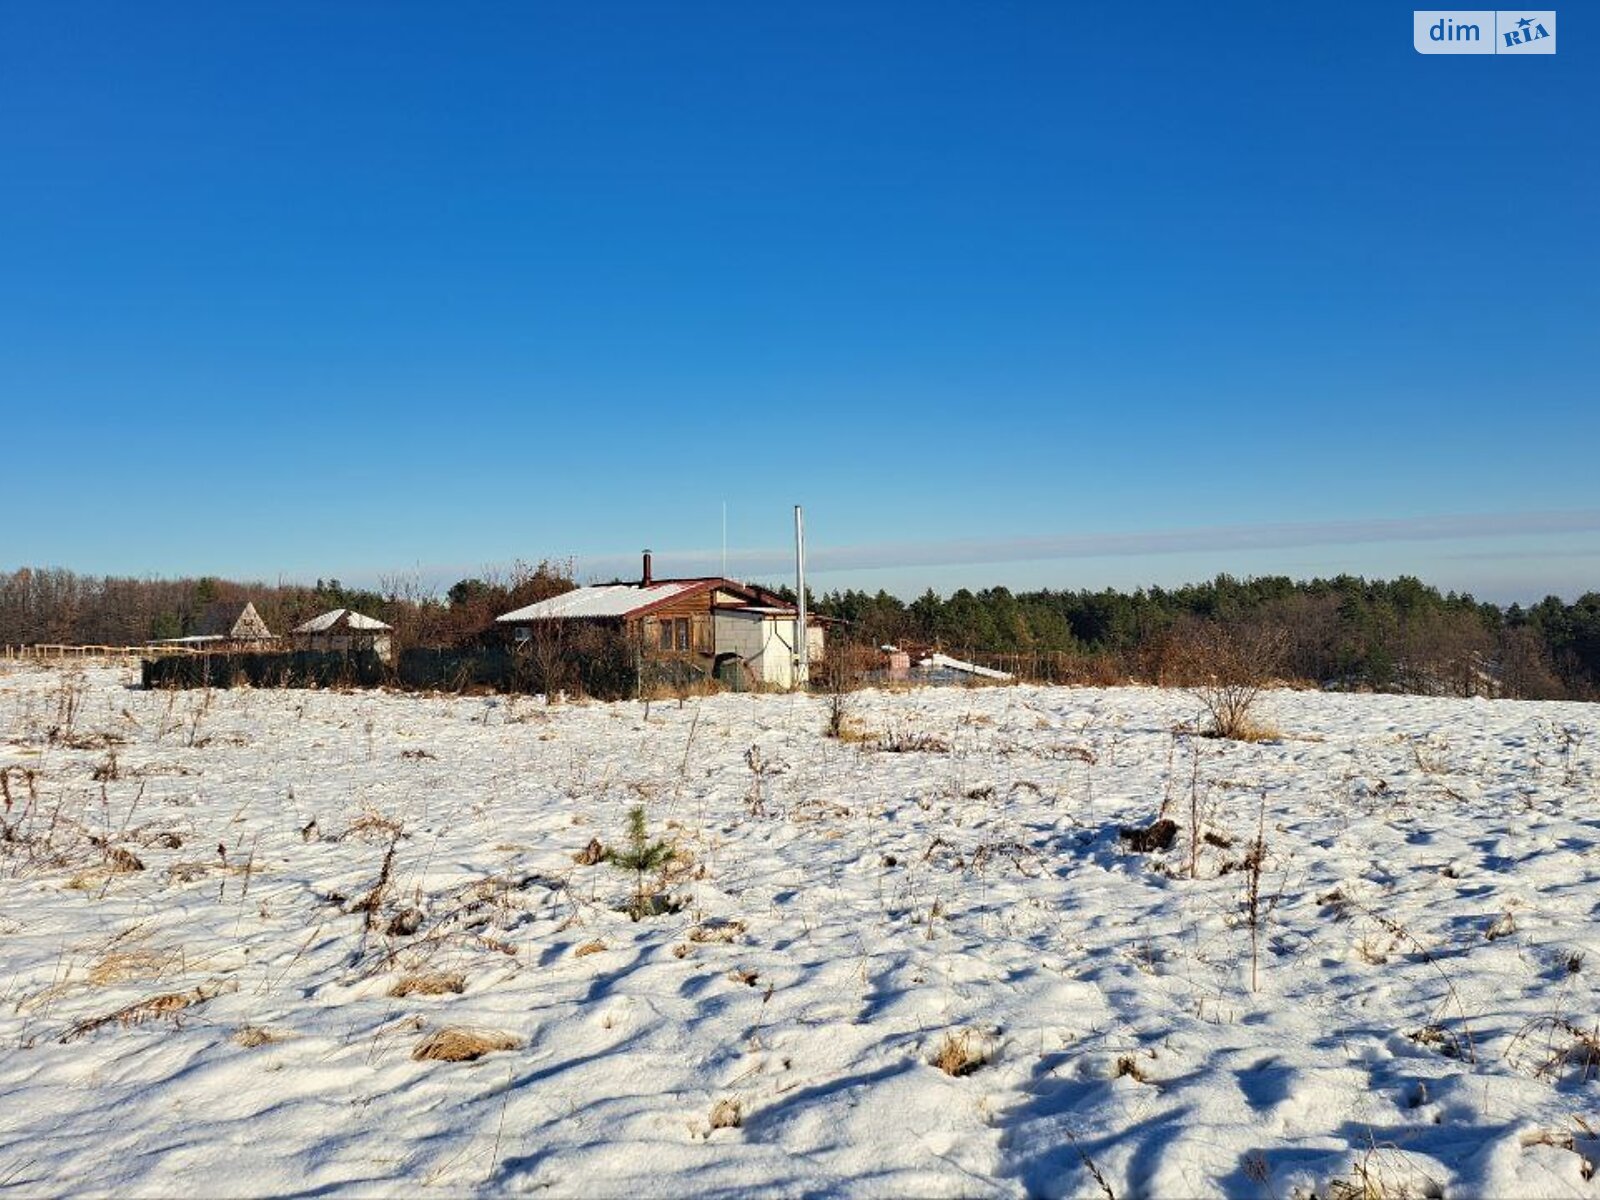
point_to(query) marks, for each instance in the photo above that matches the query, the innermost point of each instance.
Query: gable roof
(231, 619)
(606, 600)
(622, 600)
(342, 618)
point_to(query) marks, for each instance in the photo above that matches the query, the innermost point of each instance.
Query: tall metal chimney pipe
(647, 579)
(802, 655)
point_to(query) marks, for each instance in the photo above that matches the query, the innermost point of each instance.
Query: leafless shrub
(907, 742)
(842, 668)
(1253, 910)
(1234, 666)
(107, 772)
(373, 901)
(762, 770)
(71, 688)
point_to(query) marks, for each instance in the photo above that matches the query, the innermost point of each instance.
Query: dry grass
(252, 1036)
(717, 931)
(958, 1056)
(461, 1044)
(120, 966)
(117, 862)
(372, 826)
(1554, 1048)
(1128, 1066)
(168, 1005)
(903, 742)
(727, 1113)
(1562, 1139)
(1246, 729)
(588, 948)
(430, 984)
(852, 731)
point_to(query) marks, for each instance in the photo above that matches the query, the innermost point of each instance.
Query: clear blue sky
(340, 289)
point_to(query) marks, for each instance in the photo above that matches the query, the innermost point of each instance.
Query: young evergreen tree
(640, 856)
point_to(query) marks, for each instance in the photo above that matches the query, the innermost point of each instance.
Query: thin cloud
(965, 551)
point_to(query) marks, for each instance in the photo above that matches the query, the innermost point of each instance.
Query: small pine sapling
(641, 855)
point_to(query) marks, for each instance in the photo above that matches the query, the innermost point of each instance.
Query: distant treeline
(56, 605)
(1350, 632)
(1399, 635)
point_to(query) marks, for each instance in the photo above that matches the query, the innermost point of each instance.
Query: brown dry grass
(429, 984)
(851, 731)
(717, 931)
(119, 966)
(372, 826)
(727, 1113)
(251, 1036)
(168, 1005)
(957, 1056)
(461, 1044)
(588, 948)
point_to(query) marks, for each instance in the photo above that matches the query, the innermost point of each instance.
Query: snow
(352, 620)
(605, 600)
(1427, 957)
(966, 668)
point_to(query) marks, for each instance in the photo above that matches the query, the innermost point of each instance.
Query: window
(674, 633)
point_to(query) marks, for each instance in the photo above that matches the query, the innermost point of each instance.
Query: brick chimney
(647, 580)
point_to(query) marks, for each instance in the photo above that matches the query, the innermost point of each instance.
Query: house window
(683, 633)
(666, 633)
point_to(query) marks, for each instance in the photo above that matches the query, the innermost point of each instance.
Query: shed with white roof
(342, 630)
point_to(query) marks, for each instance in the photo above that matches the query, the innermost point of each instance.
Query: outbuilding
(342, 630)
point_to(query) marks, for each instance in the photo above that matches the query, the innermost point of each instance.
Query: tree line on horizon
(1345, 632)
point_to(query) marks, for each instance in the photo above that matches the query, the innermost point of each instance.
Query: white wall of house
(766, 644)
(777, 659)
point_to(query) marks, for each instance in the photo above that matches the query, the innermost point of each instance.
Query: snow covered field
(229, 923)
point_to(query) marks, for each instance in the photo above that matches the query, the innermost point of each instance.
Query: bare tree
(1233, 665)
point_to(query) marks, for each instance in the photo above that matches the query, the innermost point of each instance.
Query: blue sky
(307, 289)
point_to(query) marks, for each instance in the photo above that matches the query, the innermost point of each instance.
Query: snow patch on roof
(351, 620)
(607, 600)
